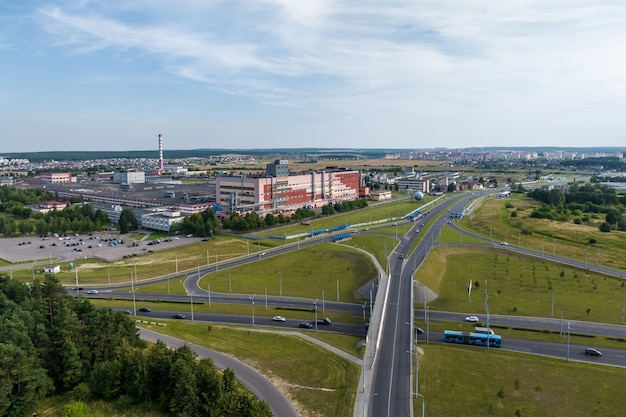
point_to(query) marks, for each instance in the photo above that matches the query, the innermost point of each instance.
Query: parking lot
(104, 246)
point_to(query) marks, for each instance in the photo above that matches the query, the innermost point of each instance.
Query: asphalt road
(260, 386)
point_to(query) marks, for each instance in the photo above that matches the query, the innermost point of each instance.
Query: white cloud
(407, 63)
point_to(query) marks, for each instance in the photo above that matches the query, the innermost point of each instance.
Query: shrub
(592, 241)
(76, 409)
(605, 227)
(81, 392)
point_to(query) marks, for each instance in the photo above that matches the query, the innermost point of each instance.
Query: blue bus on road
(477, 339)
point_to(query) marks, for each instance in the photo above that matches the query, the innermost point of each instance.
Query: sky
(242, 74)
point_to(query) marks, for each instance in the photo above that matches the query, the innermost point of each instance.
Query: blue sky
(112, 75)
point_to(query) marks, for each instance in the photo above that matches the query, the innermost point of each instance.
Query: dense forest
(52, 343)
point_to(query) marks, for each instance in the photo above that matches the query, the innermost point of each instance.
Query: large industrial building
(279, 192)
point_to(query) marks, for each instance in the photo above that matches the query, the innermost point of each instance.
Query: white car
(92, 292)
(504, 243)
(472, 319)
(279, 318)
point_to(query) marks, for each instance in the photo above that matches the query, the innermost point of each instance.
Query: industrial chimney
(160, 154)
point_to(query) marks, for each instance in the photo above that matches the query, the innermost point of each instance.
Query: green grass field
(465, 381)
(519, 285)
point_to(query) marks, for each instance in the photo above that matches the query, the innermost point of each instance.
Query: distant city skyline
(112, 76)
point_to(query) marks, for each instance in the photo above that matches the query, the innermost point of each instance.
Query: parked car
(179, 316)
(592, 352)
(472, 319)
(306, 325)
(279, 318)
(92, 292)
(145, 310)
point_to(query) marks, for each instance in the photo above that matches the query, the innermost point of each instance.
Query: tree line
(580, 203)
(52, 343)
(81, 217)
(205, 223)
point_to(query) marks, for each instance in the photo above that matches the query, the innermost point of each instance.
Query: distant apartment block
(57, 177)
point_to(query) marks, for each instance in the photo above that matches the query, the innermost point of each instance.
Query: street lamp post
(209, 288)
(280, 281)
(132, 288)
(427, 325)
(568, 328)
(315, 305)
(423, 403)
(252, 300)
(191, 298)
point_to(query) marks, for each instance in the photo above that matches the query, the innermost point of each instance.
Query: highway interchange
(389, 392)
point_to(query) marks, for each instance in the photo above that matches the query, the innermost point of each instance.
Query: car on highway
(179, 316)
(592, 352)
(419, 330)
(401, 256)
(306, 325)
(145, 310)
(472, 319)
(92, 292)
(279, 318)
(504, 243)
(127, 312)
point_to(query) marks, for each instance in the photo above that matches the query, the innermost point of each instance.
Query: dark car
(419, 330)
(145, 310)
(127, 312)
(306, 325)
(325, 321)
(592, 352)
(179, 316)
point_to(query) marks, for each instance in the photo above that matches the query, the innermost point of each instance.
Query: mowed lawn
(468, 381)
(519, 285)
(303, 273)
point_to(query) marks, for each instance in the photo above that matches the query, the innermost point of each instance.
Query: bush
(76, 409)
(605, 227)
(592, 241)
(578, 220)
(82, 392)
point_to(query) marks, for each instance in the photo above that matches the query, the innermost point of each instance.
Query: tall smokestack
(160, 154)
